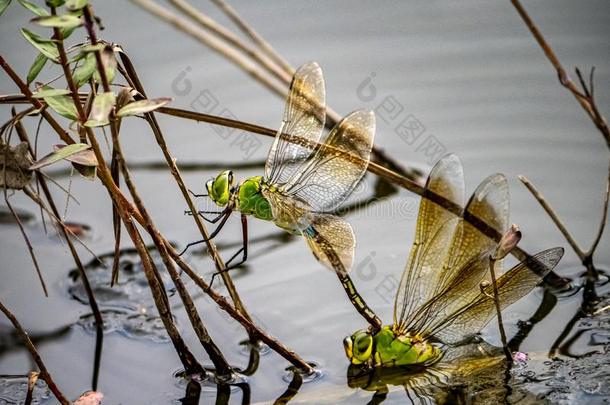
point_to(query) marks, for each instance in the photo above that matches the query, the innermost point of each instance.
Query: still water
(475, 83)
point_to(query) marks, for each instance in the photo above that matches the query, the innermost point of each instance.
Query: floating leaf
(50, 92)
(36, 67)
(83, 72)
(62, 105)
(58, 21)
(45, 46)
(59, 154)
(84, 157)
(102, 105)
(34, 8)
(3, 5)
(143, 106)
(15, 165)
(75, 4)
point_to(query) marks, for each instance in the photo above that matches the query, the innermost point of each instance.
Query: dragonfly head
(359, 347)
(219, 189)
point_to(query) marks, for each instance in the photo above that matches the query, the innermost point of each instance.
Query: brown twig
(551, 212)
(586, 98)
(223, 369)
(586, 101)
(44, 373)
(252, 329)
(127, 211)
(152, 121)
(602, 223)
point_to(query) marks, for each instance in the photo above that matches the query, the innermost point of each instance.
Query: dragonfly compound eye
(362, 345)
(219, 189)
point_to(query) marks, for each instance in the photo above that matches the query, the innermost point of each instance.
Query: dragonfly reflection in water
(305, 181)
(442, 298)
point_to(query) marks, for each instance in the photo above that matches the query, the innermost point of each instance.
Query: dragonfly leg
(243, 250)
(197, 195)
(219, 215)
(225, 216)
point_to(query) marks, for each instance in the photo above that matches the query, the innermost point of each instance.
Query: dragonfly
(306, 178)
(444, 296)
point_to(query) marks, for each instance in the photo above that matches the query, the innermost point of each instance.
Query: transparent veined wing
(304, 117)
(512, 286)
(332, 241)
(466, 262)
(330, 175)
(424, 267)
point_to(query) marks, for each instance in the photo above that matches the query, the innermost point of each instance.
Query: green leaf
(84, 157)
(101, 108)
(67, 31)
(45, 46)
(34, 8)
(142, 106)
(59, 154)
(58, 21)
(75, 4)
(50, 92)
(3, 5)
(36, 67)
(62, 105)
(83, 72)
(109, 63)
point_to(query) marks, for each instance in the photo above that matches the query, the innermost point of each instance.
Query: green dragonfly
(305, 180)
(444, 296)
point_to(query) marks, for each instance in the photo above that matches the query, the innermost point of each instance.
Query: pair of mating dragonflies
(440, 299)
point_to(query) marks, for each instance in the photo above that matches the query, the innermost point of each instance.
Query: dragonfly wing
(332, 241)
(330, 175)
(304, 117)
(512, 286)
(424, 267)
(466, 263)
(288, 212)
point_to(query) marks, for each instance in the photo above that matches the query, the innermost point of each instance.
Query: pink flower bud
(509, 240)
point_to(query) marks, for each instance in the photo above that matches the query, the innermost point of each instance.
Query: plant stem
(496, 297)
(44, 373)
(551, 212)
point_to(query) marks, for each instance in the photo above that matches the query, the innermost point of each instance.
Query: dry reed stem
(254, 36)
(232, 52)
